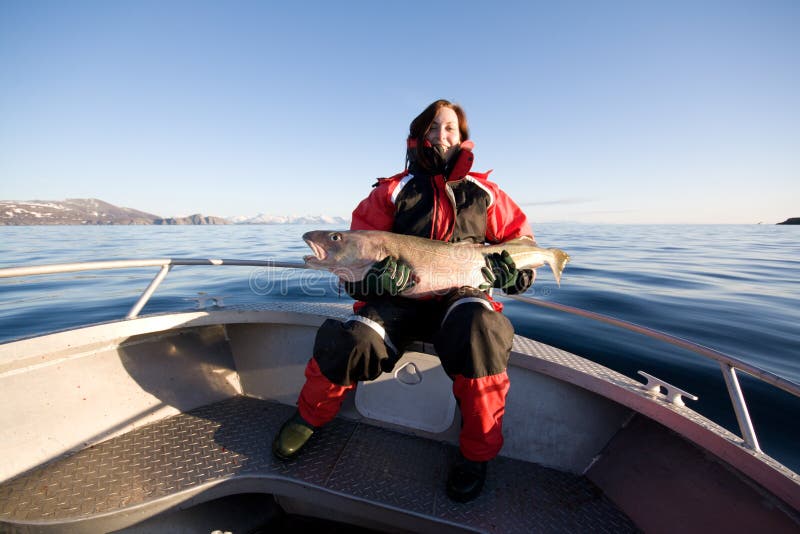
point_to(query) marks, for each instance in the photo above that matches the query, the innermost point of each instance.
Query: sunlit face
(444, 131)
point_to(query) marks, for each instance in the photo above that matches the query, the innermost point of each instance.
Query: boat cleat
(674, 394)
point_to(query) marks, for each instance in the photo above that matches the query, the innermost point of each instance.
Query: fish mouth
(319, 252)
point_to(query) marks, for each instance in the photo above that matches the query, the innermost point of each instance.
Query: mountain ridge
(92, 211)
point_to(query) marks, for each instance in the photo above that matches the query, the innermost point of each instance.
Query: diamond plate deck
(227, 444)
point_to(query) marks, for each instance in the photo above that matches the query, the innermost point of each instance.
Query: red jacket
(451, 209)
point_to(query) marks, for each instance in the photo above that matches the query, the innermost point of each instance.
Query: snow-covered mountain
(70, 211)
(262, 218)
(84, 211)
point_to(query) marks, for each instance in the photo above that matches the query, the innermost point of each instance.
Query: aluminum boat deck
(224, 448)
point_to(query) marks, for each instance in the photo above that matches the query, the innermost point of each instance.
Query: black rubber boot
(466, 479)
(292, 436)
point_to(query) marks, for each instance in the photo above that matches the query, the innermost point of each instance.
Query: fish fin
(560, 259)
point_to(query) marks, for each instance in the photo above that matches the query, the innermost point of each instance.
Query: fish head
(348, 254)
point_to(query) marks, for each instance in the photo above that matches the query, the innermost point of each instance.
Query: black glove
(500, 271)
(524, 281)
(386, 278)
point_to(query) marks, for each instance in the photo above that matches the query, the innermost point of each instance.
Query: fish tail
(558, 262)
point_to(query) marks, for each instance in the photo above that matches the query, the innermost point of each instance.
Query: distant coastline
(92, 211)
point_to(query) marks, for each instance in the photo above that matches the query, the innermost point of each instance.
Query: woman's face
(444, 131)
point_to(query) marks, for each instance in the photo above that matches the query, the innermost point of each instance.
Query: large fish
(437, 266)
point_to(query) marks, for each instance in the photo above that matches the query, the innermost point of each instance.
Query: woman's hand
(386, 278)
(501, 273)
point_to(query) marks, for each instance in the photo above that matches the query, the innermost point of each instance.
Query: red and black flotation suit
(458, 206)
(455, 205)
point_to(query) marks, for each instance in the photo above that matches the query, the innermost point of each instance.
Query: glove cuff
(525, 279)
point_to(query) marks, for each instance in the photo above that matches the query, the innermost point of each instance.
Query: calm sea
(732, 288)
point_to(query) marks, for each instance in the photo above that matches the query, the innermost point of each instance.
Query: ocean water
(732, 288)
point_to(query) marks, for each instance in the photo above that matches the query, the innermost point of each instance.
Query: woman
(436, 197)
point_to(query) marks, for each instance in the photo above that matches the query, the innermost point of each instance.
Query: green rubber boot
(292, 436)
(466, 479)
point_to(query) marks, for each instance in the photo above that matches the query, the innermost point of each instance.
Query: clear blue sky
(633, 112)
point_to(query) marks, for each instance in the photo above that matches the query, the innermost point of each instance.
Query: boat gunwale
(753, 370)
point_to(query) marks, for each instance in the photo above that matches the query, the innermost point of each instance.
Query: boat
(163, 422)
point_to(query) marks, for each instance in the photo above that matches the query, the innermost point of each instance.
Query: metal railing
(165, 264)
(729, 365)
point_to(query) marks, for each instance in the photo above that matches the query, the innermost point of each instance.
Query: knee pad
(351, 351)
